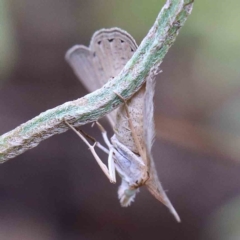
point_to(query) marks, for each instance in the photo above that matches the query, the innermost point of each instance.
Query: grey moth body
(109, 51)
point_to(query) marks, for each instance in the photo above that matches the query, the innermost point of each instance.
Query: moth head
(126, 194)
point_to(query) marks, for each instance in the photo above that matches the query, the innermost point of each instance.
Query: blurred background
(57, 191)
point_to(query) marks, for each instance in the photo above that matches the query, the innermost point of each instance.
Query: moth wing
(80, 59)
(153, 184)
(109, 51)
(113, 48)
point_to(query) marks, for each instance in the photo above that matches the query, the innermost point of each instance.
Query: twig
(95, 105)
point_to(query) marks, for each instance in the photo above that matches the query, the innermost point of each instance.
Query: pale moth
(133, 124)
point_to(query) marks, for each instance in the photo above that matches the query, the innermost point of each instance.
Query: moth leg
(111, 165)
(91, 147)
(104, 134)
(134, 134)
(98, 144)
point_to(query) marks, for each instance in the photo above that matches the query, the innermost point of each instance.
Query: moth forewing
(155, 188)
(132, 110)
(153, 184)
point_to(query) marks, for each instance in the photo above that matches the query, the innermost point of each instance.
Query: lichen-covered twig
(95, 105)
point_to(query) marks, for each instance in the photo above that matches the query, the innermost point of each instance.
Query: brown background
(57, 191)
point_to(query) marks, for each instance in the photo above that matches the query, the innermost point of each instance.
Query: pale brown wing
(153, 184)
(109, 51)
(113, 48)
(80, 59)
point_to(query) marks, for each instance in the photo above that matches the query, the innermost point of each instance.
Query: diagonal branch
(93, 106)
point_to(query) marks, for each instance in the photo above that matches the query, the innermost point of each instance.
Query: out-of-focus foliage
(224, 222)
(7, 42)
(217, 60)
(136, 18)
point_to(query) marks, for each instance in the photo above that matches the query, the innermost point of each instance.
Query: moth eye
(132, 50)
(99, 42)
(122, 41)
(110, 40)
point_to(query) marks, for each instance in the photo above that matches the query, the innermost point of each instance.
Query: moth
(133, 125)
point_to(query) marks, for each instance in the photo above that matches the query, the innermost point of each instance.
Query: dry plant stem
(95, 105)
